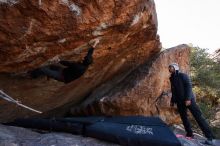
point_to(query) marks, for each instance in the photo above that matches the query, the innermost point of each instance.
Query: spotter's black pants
(197, 114)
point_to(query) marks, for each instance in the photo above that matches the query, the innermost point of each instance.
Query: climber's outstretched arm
(66, 63)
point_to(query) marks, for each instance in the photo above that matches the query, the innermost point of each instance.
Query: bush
(205, 72)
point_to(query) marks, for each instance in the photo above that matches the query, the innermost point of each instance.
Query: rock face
(140, 93)
(32, 33)
(14, 136)
(216, 121)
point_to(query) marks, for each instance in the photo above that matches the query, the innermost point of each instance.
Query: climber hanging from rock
(70, 72)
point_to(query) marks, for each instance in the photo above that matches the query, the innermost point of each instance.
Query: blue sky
(189, 21)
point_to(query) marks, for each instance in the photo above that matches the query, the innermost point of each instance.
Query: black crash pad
(123, 130)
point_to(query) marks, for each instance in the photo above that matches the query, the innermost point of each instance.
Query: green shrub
(205, 72)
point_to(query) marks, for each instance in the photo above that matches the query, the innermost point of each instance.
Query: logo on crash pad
(138, 129)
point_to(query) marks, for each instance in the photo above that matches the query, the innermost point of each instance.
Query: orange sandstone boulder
(34, 32)
(145, 91)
